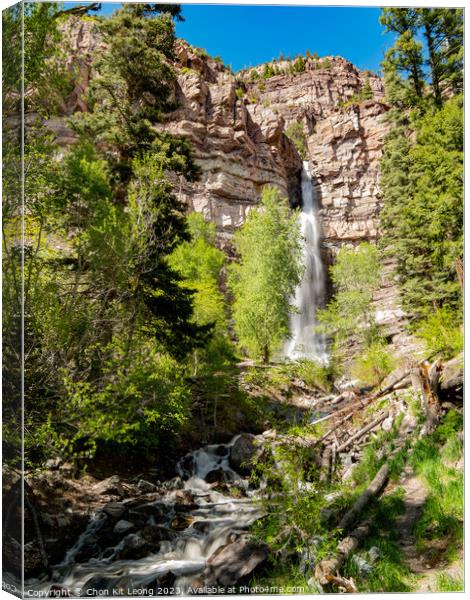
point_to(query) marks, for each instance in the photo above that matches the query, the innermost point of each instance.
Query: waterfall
(305, 341)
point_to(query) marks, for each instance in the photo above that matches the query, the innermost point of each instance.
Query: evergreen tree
(366, 91)
(299, 64)
(106, 317)
(422, 218)
(442, 30)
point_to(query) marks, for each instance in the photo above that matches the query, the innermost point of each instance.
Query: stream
(176, 534)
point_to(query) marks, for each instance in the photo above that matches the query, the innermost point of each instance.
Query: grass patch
(388, 574)
(445, 582)
(439, 531)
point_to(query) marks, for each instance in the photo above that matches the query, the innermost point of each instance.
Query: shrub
(314, 374)
(268, 71)
(201, 52)
(299, 65)
(239, 92)
(140, 397)
(442, 333)
(374, 365)
(295, 132)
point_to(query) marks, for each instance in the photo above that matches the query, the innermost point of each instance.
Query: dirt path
(415, 496)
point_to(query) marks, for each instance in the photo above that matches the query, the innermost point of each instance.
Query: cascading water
(305, 341)
(192, 519)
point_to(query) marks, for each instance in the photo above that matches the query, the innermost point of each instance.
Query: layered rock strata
(237, 126)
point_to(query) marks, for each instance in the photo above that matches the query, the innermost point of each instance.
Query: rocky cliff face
(237, 125)
(238, 155)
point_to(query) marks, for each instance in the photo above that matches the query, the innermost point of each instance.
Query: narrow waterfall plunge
(305, 341)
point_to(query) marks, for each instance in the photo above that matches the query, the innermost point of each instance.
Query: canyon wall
(237, 123)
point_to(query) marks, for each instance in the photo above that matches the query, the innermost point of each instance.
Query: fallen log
(362, 432)
(397, 384)
(325, 469)
(326, 571)
(375, 486)
(344, 585)
(333, 429)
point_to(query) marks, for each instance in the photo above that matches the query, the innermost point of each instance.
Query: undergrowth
(439, 531)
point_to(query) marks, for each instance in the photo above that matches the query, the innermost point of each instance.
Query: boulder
(133, 547)
(156, 533)
(146, 487)
(232, 562)
(115, 510)
(244, 453)
(215, 476)
(123, 527)
(181, 522)
(173, 484)
(109, 487)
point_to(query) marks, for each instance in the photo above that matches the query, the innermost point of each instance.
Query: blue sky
(249, 35)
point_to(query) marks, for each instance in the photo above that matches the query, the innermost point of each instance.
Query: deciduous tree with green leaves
(349, 318)
(264, 280)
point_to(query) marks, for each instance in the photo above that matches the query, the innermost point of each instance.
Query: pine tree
(422, 218)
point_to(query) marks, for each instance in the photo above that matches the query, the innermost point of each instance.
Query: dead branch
(363, 431)
(333, 429)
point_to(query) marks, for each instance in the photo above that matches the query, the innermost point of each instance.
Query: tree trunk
(266, 354)
(326, 570)
(431, 404)
(374, 488)
(433, 62)
(362, 432)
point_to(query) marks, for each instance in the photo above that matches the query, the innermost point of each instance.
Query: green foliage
(140, 395)
(365, 93)
(293, 513)
(446, 582)
(279, 377)
(422, 218)
(389, 574)
(264, 280)
(110, 324)
(240, 92)
(349, 317)
(299, 64)
(373, 365)
(295, 131)
(200, 263)
(269, 71)
(407, 66)
(366, 90)
(314, 374)
(372, 459)
(201, 52)
(442, 333)
(433, 459)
